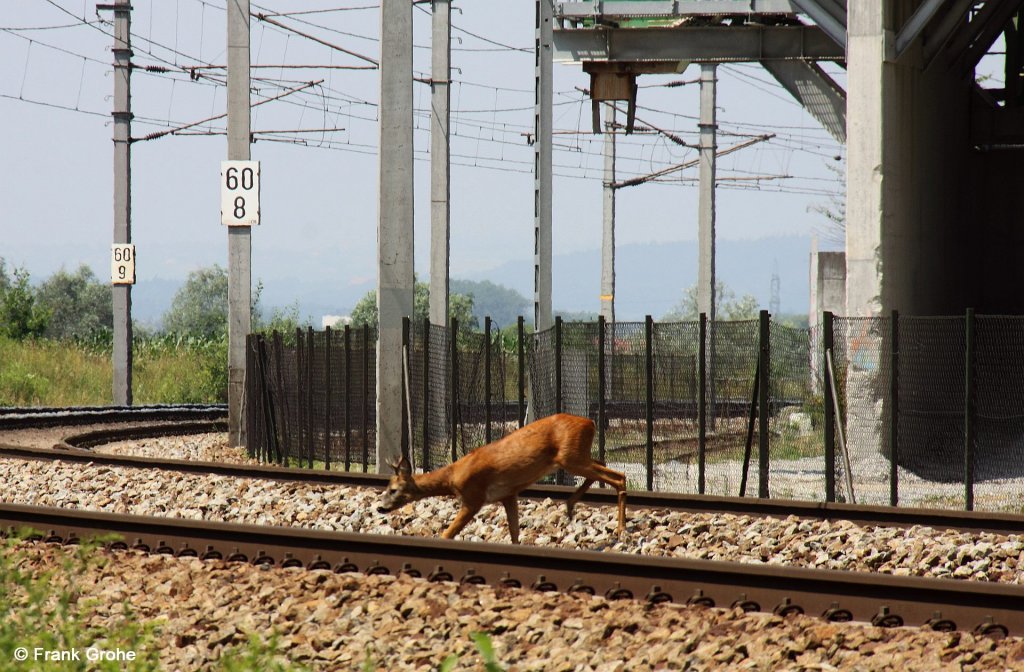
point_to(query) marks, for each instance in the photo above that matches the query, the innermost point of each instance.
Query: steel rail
(967, 521)
(34, 418)
(889, 601)
(171, 420)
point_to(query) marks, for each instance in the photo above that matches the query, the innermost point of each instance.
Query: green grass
(45, 609)
(166, 370)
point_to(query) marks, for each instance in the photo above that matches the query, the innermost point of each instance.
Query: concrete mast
(239, 237)
(706, 199)
(543, 317)
(122, 294)
(440, 162)
(608, 228)
(395, 221)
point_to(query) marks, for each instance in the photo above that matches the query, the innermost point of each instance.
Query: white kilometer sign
(122, 264)
(239, 193)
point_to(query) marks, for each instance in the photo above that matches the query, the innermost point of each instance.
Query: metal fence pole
(300, 385)
(762, 402)
(348, 397)
(602, 417)
(309, 396)
(406, 389)
(487, 378)
(521, 346)
(455, 389)
(702, 403)
(249, 398)
(286, 436)
(969, 412)
(827, 344)
(558, 364)
(894, 409)
(366, 399)
(560, 477)
(328, 384)
(649, 366)
(426, 394)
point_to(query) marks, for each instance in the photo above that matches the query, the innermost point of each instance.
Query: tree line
(76, 305)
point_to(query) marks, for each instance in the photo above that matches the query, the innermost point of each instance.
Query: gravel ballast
(329, 620)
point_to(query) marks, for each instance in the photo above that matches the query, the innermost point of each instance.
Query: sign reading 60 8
(239, 193)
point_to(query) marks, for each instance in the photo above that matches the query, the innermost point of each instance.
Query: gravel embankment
(793, 542)
(331, 621)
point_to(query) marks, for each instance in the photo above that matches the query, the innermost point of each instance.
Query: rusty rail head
(887, 601)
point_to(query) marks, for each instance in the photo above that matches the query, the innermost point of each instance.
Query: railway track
(887, 601)
(987, 608)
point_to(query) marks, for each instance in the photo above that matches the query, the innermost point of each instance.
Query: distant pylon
(774, 303)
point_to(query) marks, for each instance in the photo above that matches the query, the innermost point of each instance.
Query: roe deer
(499, 471)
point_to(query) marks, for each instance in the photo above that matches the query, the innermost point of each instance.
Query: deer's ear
(403, 468)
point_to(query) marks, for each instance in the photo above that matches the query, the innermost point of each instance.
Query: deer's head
(401, 488)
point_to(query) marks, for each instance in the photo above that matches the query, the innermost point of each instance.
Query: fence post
(286, 429)
(894, 410)
(762, 403)
(406, 391)
(300, 385)
(455, 389)
(702, 403)
(366, 400)
(487, 378)
(521, 328)
(249, 399)
(309, 395)
(969, 412)
(649, 365)
(426, 394)
(328, 383)
(348, 397)
(560, 477)
(558, 364)
(602, 418)
(827, 344)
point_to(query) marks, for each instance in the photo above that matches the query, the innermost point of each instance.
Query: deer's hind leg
(576, 496)
(595, 471)
(512, 513)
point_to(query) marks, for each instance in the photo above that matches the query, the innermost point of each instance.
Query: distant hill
(650, 278)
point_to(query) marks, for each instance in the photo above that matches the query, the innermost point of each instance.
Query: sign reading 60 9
(239, 193)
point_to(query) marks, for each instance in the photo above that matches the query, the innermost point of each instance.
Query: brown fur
(499, 471)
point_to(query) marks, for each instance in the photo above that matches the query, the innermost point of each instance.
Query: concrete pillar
(706, 197)
(395, 221)
(122, 294)
(239, 237)
(543, 317)
(828, 285)
(867, 84)
(440, 164)
(608, 227)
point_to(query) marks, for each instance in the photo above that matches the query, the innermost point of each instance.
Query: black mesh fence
(310, 398)
(729, 408)
(797, 454)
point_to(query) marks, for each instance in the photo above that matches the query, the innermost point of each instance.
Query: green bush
(44, 609)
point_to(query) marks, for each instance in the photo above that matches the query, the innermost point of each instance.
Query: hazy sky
(319, 197)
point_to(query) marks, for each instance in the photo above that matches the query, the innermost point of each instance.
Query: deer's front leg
(462, 518)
